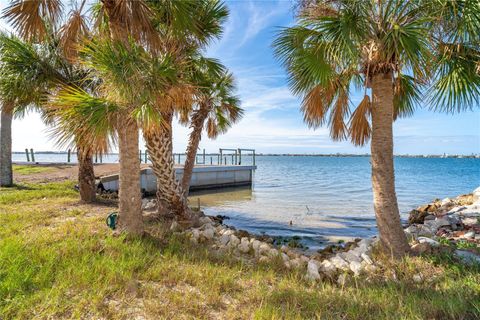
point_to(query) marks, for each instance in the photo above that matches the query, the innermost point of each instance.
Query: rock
(431, 242)
(273, 252)
(339, 263)
(356, 267)
(312, 271)
(468, 257)
(411, 232)
(366, 258)
(234, 241)
(284, 248)
(304, 259)
(469, 235)
(429, 217)
(328, 268)
(244, 245)
(285, 257)
(256, 245)
(442, 222)
(150, 205)
(342, 279)
(295, 263)
(227, 232)
(426, 231)
(208, 233)
(205, 220)
(421, 248)
(470, 221)
(349, 256)
(417, 216)
(445, 201)
(417, 278)
(263, 259)
(263, 248)
(224, 239)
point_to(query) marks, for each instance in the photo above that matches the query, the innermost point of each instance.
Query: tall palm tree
(217, 108)
(204, 24)
(401, 53)
(121, 20)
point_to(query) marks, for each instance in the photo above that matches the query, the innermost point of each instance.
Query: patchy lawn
(59, 260)
(30, 169)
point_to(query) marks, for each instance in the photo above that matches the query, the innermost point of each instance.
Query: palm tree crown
(429, 48)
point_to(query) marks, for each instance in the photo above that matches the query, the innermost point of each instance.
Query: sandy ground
(60, 172)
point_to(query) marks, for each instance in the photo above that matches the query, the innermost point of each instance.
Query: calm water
(325, 198)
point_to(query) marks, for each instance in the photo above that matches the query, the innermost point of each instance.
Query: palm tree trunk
(6, 172)
(86, 176)
(392, 236)
(130, 200)
(198, 121)
(160, 150)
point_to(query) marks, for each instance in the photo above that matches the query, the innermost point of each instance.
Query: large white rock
(208, 233)
(431, 242)
(312, 271)
(339, 263)
(244, 245)
(263, 248)
(366, 258)
(349, 256)
(205, 220)
(356, 267)
(328, 268)
(256, 244)
(224, 239)
(234, 241)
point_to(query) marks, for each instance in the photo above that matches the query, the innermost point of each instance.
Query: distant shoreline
(340, 155)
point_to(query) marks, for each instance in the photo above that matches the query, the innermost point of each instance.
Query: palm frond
(29, 18)
(359, 126)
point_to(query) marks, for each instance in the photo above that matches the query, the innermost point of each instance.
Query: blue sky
(272, 121)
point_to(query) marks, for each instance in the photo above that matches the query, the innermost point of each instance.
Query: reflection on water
(326, 198)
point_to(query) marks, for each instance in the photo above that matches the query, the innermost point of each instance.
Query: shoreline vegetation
(70, 265)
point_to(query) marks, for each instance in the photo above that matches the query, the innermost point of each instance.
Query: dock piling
(28, 156)
(32, 154)
(68, 155)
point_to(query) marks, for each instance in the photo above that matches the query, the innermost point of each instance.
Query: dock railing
(225, 156)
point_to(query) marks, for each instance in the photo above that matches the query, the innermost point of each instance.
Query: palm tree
(24, 79)
(30, 74)
(401, 53)
(121, 20)
(217, 107)
(183, 39)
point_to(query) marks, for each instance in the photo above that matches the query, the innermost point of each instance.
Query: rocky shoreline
(451, 225)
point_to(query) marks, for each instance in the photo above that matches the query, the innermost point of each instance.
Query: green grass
(29, 169)
(59, 260)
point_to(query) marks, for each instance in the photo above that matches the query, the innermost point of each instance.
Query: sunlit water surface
(324, 199)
